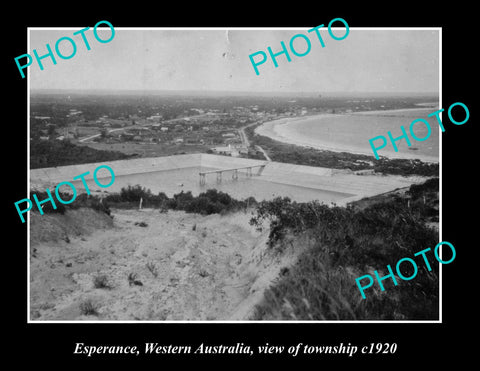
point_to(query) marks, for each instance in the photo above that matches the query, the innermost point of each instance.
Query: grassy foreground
(343, 243)
(346, 243)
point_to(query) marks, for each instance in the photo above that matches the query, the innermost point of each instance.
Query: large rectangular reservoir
(260, 179)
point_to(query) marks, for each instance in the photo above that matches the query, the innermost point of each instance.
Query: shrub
(431, 185)
(183, 200)
(99, 205)
(47, 207)
(101, 282)
(88, 308)
(208, 202)
(132, 280)
(319, 285)
(134, 193)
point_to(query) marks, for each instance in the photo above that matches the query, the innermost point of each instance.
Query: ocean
(351, 132)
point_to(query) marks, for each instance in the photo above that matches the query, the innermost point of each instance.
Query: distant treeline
(50, 153)
(58, 105)
(288, 153)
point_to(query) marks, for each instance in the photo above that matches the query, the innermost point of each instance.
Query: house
(229, 135)
(127, 136)
(228, 150)
(155, 118)
(74, 112)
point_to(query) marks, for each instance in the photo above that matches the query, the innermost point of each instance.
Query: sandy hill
(147, 265)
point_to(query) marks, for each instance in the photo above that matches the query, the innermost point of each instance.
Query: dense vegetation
(209, 202)
(288, 153)
(50, 153)
(346, 243)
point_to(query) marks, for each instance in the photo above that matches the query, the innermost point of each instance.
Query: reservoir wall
(173, 174)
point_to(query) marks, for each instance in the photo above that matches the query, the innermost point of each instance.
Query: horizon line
(230, 92)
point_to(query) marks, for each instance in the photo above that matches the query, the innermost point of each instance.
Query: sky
(367, 60)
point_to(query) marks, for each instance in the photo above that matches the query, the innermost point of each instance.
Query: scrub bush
(345, 243)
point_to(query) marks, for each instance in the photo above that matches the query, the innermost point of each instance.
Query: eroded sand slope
(182, 266)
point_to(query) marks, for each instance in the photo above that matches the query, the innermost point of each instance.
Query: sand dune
(190, 267)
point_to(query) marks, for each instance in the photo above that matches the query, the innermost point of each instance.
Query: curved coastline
(284, 130)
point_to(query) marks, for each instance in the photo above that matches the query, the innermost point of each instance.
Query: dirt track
(182, 266)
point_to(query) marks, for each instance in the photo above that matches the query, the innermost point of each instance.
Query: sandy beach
(351, 132)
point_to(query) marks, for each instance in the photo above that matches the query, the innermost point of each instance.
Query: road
(241, 132)
(246, 142)
(243, 137)
(267, 157)
(97, 135)
(139, 125)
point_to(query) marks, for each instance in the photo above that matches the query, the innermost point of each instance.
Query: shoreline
(279, 130)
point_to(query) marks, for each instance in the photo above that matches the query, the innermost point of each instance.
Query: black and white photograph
(226, 195)
(225, 183)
